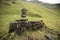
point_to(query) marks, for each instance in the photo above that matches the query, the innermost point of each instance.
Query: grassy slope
(50, 17)
(35, 12)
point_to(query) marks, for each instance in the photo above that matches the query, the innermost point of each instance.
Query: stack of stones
(23, 16)
(23, 24)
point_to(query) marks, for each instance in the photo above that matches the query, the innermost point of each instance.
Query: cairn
(19, 26)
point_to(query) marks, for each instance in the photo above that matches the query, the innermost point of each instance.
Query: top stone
(24, 11)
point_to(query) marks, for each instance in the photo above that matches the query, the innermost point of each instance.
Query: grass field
(35, 12)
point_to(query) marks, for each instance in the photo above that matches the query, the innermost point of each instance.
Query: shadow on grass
(34, 15)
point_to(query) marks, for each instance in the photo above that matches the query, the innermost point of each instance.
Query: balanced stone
(23, 15)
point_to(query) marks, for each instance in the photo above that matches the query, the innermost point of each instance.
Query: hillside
(35, 12)
(55, 7)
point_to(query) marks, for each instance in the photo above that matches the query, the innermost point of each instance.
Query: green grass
(35, 12)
